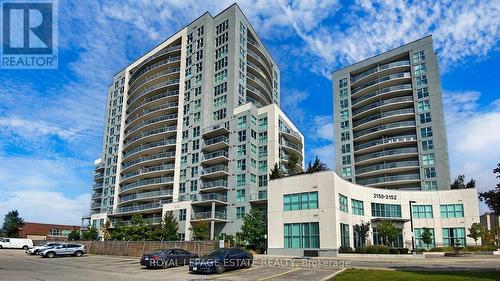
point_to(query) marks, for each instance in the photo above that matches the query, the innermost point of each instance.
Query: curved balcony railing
(262, 59)
(169, 49)
(148, 146)
(259, 82)
(158, 168)
(147, 122)
(139, 73)
(291, 145)
(388, 179)
(149, 158)
(139, 183)
(149, 194)
(151, 88)
(259, 93)
(385, 141)
(150, 133)
(380, 80)
(146, 79)
(95, 205)
(381, 103)
(381, 92)
(142, 207)
(379, 68)
(383, 115)
(171, 93)
(152, 109)
(259, 70)
(212, 184)
(96, 195)
(392, 165)
(285, 130)
(384, 127)
(209, 216)
(388, 152)
(214, 169)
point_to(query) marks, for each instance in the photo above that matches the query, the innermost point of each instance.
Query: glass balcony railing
(95, 205)
(148, 146)
(384, 127)
(150, 110)
(385, 153)
(139, 73)
(212, 184)
(156, 220)
(259, 82)
(385, 141)
(152, 77)
(170, 93)
(291, 145)
(96, 195)
(286, 130)
(145, 134)
(139, 183)
(142, 207)
(380, 80)
(379, 68)
(381, 103)
(224, 125)
(383, 115)
(381, 92)
(146, 90)
(142, 195)
(386, 166)
(158, 168)
(216, 154)
(209, 216)
(207, 197)
(389, 179)
(217, 140)
(261, 195)
(214, 169)
(259, 93)
(98, 176)
(167, 50)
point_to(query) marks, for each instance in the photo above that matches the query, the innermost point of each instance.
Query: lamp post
(411, 225)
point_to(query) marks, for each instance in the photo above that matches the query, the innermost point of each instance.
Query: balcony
(153, 133)
(165, 73)
(96, 195)
(95, 206)
(259, 198)
(155, 157)
(214, 171)
(387, 167)
(396, 115)
(389, 180)
(258, 58)
(216, 130)
(133, 72)
(390, 80)
(397, 153)
(99, 167)
(293, 148)
(258, 83)
(98, 177)
(216, 157)
(378, 144)
(208, 216)
(138, 74)
(258, 95)
(155, 220)
(217, 143)
(359, 77)
(146, 195)
(386, 92)
(150, 89)
(208, 199)
(144, 208)
(97, 186)
(148, 171)
(147, 183)
(152, 100)
(391, 103)
(162, 108)
(257, 70)
(397, 126)
(158, 144)
(291, 135)
(214, 186)
(152, 121)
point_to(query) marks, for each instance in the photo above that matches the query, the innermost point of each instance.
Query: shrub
(393, 251)
(360, 250)
(441, 249)
(377, 249)
(421, 250)
(345, 249)
(487, 248)
(403, 251)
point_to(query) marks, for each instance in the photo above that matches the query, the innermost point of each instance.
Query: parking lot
(16, 265)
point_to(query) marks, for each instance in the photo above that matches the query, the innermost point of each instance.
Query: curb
(333, 274)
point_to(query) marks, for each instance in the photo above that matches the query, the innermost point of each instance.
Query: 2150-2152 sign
(385, 196)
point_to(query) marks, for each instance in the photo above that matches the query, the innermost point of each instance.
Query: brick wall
(42, 229)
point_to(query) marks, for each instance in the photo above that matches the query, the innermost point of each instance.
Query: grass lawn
(389, 275)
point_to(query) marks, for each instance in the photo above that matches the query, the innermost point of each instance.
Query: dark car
(221, 260)
(166, 258)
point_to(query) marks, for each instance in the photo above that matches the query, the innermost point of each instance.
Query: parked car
(221, 260)
(16, 243)
(76, 250)
(166, 258)
(41, 247)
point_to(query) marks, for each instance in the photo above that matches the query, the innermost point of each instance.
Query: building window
(300, 201)
(219, 114)
(345, 136)
(262, 181)
(430, 172)
(452, 211)
(422, 211)
(344, 114)
(342, 83)
(263, 123)
(422, 92)
(428, 159)
(418, 238)
(346, 171)
(426, 132)
(379, 240)
(301, 235)
(344, 125)
(182, 214)
(346, 159)
(242, 122)
(424, 105)
(240, 212)
(343, 93)
(425, 118)
(240, 180)
(430, 185)
(454, 237)
(418, 56)
(194, 158)
(194, 185)
(343, 205)
(421, 80)
(427, 145)
(344, 103)
(242, 150)
(240, 195)
(386, 210)
(346, 148)
(241, 165)
(220, 102)
(263, 166)
(357, 207)
(242, 136)
(420, 69)
(220, 89)
(344, 235)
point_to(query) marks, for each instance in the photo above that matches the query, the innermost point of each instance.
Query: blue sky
(51, 121)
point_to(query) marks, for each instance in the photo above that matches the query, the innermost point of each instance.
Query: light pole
(411, 225)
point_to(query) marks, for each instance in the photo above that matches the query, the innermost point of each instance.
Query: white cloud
(326, 154)
(33, 128)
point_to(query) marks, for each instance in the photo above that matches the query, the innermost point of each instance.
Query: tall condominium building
(193, 127)
(389, 123)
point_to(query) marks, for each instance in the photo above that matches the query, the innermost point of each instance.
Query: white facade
(328, 214)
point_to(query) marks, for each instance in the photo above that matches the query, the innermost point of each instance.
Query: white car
(76, 250)
(16, 243)
(42, 247)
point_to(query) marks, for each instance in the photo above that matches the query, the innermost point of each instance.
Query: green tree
(492, 198)
(137, 229)
(90, 234)
(292, 165)
(254, 229)
(276, 172)
(459, 183)
(118, 232)
(199, 231)
(475, 231)
(11, 224)
(168, 227)
(388, 232)
(316, 166)
(363, 231)
(426, 236)
(74, 235)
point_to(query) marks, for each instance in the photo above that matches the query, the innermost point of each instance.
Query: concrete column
(212, 223)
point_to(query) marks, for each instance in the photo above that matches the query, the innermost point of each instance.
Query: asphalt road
(15, 265)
